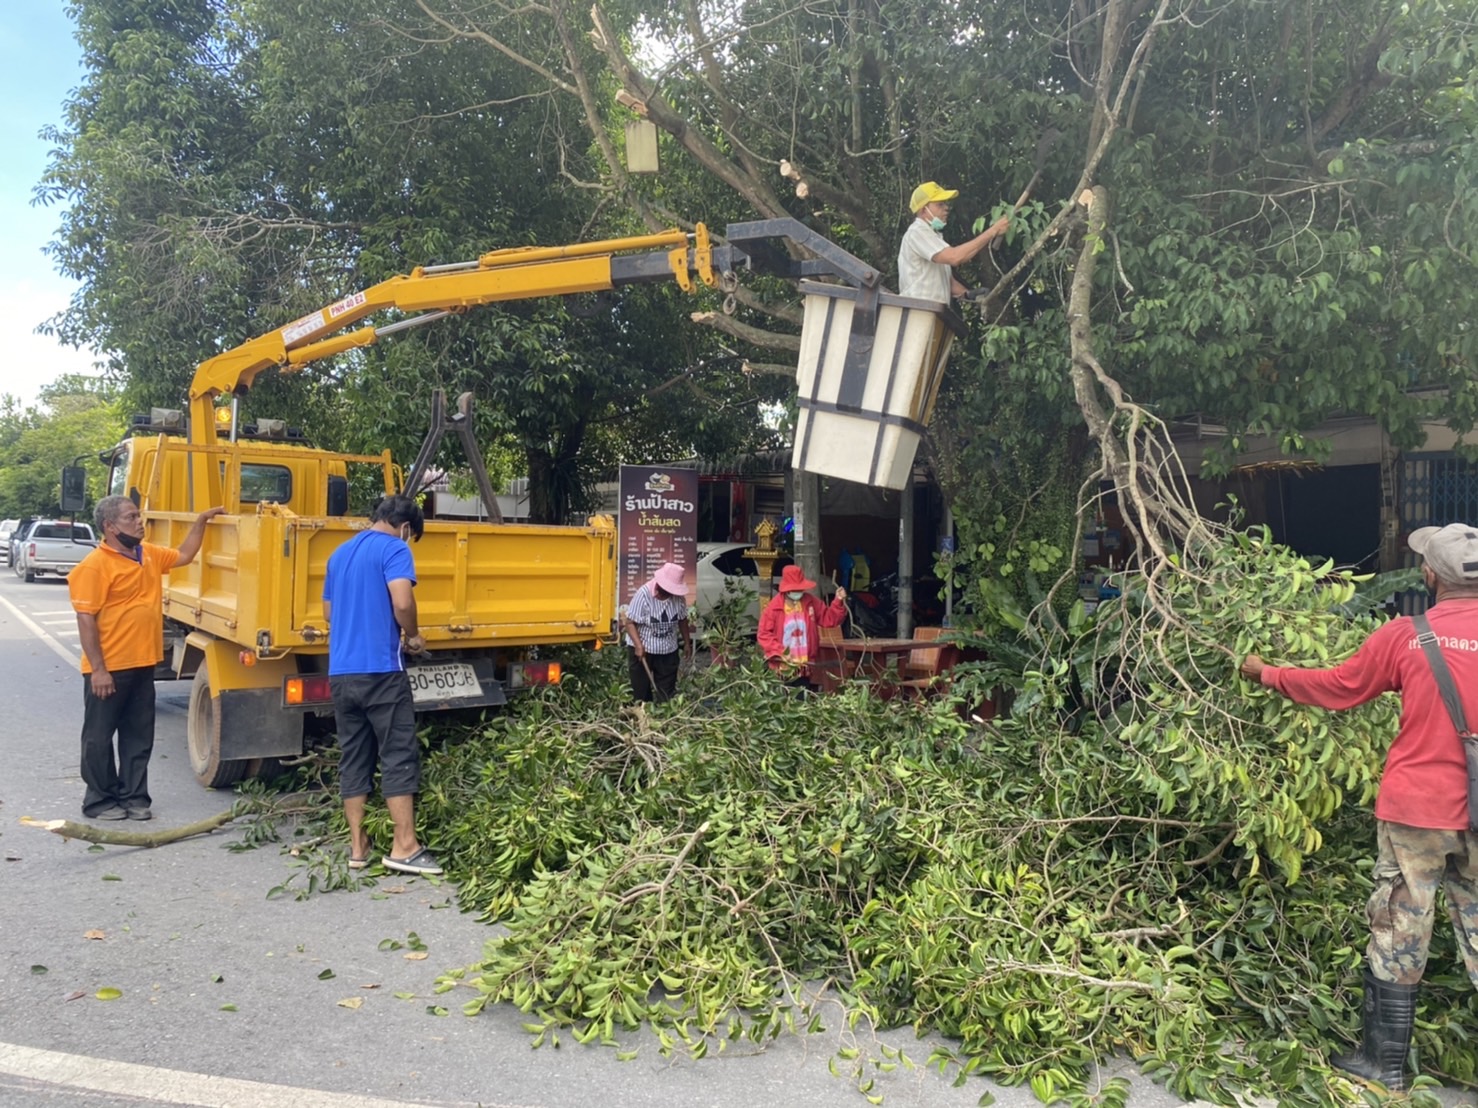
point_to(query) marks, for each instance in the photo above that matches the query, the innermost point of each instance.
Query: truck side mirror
(338, 496)
(74, 489)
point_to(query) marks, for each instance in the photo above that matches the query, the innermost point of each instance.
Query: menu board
(658, 523)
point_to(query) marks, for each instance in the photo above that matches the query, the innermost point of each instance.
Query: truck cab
(268, 462)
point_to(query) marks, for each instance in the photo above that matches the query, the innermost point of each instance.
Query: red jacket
(1425, 783)
(771, 633)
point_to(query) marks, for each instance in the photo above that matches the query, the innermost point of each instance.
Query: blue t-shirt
(363, 635)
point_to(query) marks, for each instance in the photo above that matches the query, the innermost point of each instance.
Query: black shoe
(1389, 1012)
(112, 811)
(139, 813)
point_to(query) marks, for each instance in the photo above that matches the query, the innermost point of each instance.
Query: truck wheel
(30, 576)
(203, 737)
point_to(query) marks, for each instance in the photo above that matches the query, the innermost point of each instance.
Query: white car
(721, 562)
(7, 528)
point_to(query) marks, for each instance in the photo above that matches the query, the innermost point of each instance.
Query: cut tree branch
(109, 837)
(768, 340)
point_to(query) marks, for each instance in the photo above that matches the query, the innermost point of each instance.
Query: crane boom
(520, 273)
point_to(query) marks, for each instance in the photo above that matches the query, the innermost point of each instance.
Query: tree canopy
(76, 417)
(226, 168)
(1286, 227)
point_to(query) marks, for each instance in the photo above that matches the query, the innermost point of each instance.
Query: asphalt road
(186, 933)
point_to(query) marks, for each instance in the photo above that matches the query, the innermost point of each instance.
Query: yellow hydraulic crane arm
(520, 273)
(514, 274)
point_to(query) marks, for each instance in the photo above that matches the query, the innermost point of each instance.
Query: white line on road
(41, 633)
(161, 1086)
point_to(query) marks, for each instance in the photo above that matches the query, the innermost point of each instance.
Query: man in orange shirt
(118, 594)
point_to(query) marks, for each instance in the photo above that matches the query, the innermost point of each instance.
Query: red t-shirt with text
(1425, 783)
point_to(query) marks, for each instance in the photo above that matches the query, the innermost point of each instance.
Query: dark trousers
(130, 713)
(376, 718)
(663, 683)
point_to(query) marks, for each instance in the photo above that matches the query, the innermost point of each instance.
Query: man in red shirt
(1422, 829)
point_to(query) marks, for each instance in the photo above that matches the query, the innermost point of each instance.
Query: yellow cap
(930, 193)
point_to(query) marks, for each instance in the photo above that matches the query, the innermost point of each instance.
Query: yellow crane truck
(245, 620)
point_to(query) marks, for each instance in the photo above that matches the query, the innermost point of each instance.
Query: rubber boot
(1390, 1010)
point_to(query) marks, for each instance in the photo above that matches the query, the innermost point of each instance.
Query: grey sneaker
(112, 811)
(420, 862)
(139, 813)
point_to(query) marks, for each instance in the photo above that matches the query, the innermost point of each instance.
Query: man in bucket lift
(925, 260)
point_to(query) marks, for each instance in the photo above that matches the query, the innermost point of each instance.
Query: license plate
(453, 681)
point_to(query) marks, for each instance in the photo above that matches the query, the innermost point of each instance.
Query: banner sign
(658, 523)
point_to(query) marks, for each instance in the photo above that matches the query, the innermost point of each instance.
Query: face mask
(936, 224)
(127, 541)
(794, 595)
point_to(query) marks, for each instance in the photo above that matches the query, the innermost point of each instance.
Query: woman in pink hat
(790, 626)
(656, 615)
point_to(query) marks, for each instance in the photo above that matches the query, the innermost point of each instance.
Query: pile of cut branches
(1119, 866)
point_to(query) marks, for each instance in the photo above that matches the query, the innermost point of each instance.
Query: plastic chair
(927, 670)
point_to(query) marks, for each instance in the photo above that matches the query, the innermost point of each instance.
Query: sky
(40, 64)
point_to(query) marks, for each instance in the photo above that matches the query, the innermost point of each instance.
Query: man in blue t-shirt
(370, 601)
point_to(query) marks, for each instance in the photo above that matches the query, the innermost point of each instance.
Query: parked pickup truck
(52, 546)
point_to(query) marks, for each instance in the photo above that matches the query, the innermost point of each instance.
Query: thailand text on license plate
(445, 682)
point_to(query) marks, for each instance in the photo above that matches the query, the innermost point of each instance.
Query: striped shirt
(656, 620)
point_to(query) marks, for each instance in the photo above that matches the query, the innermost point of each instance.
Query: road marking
(41, 633)
(161, 1086)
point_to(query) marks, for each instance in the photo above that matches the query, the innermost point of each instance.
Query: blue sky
(40, 65)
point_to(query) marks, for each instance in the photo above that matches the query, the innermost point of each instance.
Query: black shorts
(376, 717)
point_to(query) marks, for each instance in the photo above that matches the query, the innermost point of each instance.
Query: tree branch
(769, 340)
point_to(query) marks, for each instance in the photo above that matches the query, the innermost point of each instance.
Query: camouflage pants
(1411, 864)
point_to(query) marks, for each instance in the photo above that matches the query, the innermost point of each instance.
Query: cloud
(33, 360)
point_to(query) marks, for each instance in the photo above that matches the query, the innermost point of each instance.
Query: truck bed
(478, 584)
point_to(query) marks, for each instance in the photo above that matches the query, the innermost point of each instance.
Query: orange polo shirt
(127, 597)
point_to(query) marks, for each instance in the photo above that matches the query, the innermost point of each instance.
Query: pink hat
(670, 579)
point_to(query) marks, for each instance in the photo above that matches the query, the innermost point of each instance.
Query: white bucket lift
(870, 368)
(870, 364)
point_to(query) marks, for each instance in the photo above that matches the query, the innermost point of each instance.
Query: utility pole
(806, 514)
(905, 559)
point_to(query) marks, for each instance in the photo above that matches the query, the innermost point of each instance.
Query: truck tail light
(524, 675)
(30, 550)
(309, 689)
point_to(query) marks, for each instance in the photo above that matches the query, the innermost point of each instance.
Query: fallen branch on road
(109, 837)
